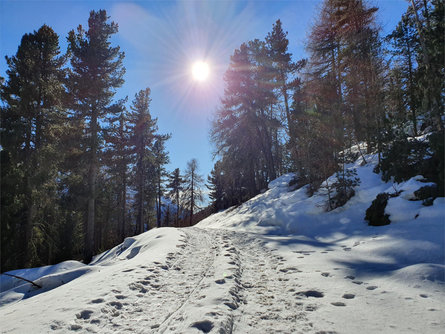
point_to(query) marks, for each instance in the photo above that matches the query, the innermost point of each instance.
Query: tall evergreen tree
(430, 26)
(175, 185)
(215, 183)
(117, 157)
(97, 71)
(193, 183)
(160, 159)
(403, 44)
(244, 127)
(33, 118)
(142, 127)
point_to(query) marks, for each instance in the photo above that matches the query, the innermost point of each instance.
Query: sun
(200, 71)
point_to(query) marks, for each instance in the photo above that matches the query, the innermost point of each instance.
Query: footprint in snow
(75, 327)
(357, 282)
(350, 277)
(144, 282)
(290, 269)
(117, 305)
(371, 287)
(325, 274)
(204, 326)
(85, 314)
(348, 296)
(311, 308)
(57, 325)
(338, 304)
(423, 295)
(120, 297)
(232, 306)
(97, 301)
(311, 293)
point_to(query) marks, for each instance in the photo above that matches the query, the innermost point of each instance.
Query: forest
(81, 170)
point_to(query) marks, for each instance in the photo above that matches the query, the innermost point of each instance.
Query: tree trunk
(28, 199)
(159, 199)
(192, 202)
(177, 207)
(92, 176)
(124, 206)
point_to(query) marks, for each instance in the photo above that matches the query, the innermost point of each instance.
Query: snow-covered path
(211, 280)
(217, 280)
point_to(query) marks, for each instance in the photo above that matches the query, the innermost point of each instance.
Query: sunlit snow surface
(277, 263)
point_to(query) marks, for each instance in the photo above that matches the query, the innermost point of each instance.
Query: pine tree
(244, 127)
(284, 73)
(175, 185)
(96, 72)
(117, 158)
(192, 188)
(33, 118)
(216, 186)
(142, 127)
(160, 159)
(404, 42)
(430, 26)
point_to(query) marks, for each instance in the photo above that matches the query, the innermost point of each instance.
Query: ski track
(217, 281)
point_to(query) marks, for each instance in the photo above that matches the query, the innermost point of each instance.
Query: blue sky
(161, 40)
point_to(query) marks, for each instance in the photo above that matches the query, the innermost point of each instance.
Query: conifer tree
(216, 186)
(404, 42)
(33, 118)
(244, 127)
(96, 72)
(175, 184)
(117, 158)
(193, 183)
(430, 26)
(143, 134)
(160, 159)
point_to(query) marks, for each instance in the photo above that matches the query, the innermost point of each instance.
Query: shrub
(404, 159)
(375, 214)
(427, 194)
(344, 188)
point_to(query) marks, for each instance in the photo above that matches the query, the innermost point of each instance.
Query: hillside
(277, 263)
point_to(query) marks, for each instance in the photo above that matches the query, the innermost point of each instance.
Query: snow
(277, 263)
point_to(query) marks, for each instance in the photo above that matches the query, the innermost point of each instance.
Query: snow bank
(146, 247)
(414, 240)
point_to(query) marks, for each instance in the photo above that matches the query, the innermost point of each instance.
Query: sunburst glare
(200, 70)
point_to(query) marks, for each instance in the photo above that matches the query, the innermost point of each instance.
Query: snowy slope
(277, 263)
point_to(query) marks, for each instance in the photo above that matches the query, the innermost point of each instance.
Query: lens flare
(200, 71)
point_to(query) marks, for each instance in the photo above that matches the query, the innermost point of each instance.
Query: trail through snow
(222, 281)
